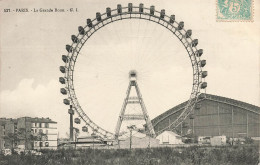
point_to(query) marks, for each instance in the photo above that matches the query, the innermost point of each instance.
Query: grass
(228, 155)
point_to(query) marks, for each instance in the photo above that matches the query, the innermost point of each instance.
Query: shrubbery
(239, 155)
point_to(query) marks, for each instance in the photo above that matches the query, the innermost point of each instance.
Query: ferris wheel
(131, 13)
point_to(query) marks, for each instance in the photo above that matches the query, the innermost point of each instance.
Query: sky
(32, 44)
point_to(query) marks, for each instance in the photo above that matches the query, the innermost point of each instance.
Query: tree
(12, 137)
(18, 136)
(131, 128)
(27, 136)
(33, 138)
(22, 134)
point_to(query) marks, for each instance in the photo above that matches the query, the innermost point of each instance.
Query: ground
(228, 155)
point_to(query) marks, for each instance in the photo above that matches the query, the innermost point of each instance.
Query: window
(35, 124)
(40, 144)
(46, 125)
(40, 125)
(35, 130)
(46, 144)
(35, 144)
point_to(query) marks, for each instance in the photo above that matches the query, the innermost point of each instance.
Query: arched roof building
(214, 116)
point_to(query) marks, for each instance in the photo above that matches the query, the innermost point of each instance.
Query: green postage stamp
(235, 10)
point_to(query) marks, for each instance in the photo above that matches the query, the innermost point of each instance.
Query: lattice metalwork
(119, 14)
(134, 100)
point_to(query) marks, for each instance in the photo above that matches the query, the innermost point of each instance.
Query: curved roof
(243, 105)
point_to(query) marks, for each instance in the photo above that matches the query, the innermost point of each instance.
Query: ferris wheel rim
(93, 26)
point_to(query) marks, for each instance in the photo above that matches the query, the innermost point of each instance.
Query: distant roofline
(238, 103)
(229, 100)
(32, 119)
(171, 132)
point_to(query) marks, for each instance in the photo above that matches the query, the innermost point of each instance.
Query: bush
(247, 154)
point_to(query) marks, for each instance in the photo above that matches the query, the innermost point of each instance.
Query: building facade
(33, 133)
(215, 116)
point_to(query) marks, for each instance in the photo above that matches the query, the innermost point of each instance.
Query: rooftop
(226, 100)
(31, 119)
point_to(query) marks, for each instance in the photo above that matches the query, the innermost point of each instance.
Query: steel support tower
(134, 100)
(71, 112)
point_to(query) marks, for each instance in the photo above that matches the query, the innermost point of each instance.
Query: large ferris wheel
(132, 12)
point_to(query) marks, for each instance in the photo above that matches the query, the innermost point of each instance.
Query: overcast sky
(32, 45)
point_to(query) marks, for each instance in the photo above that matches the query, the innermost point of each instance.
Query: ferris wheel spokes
(123, 13)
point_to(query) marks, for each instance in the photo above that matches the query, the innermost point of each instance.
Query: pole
(71, 112)
(130, 139)
(181, 128)
(246, 124)
(192, 126)
(94, 148)
(118, 143)
(149, 141)
(130, 129)
(71, 127)
(26, 147)
(232, 124)
(169, 123)
(75, 141)
(94, 136)
(218, 121)
(93, 143)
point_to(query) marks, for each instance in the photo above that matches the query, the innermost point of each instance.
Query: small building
(83, 142)
(139, 142)
(86, 142)
(218, 140)
(169, 137)
(33, 133)
(204, 139)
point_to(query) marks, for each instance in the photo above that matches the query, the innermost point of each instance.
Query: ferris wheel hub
(132, 74)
